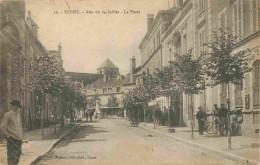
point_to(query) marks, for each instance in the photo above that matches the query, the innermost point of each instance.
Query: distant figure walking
(90, 114)
(11, 129)
(201, 117)
(86, 114)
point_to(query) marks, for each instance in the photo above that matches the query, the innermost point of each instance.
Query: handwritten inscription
(90, 12)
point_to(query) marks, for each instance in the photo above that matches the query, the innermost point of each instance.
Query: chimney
(150, 20)
(29, 14)
(59, 49)
(132, 69)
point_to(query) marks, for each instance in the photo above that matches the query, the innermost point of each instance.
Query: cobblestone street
(113, 141)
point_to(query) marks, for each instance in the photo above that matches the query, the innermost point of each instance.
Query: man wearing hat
(11, 129)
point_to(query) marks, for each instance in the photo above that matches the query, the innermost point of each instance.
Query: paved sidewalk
(243, 148)
(36, 147)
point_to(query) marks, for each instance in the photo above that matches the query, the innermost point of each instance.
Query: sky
(89, 39)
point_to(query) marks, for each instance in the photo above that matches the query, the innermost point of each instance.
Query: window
(109, 90)
(237, 19)
(9, 67)
(184, 44)
(117, 89)
(104, 90)
(238, 94)
(255, 7)
(201, 5)
(256, 84)
(154, 44)
(170, 54)
(202, 40)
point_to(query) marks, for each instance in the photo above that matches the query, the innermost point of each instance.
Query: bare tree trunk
(192, 135)
(153, 117)
(144, 114)
(169, 116)
(229, 128)
(42, 116)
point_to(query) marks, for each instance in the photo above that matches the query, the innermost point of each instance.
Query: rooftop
(107, 64)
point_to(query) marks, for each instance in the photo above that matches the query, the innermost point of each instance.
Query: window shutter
(258, 14)
(235, 19)
(239, 20)
(223, 21)
(254, 14)
(246, 19)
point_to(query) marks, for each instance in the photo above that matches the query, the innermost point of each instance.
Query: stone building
(20, 47)
(11, 52)
(190, 24)
(242, 16)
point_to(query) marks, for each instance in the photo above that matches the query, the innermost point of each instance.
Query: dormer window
(104, 90)
(118, 89)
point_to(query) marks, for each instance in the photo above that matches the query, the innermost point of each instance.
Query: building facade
(191, 24)
(20, 47)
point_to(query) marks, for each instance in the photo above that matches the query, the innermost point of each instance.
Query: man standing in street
(216, 116)
(11, 129)
(201, 117)
(223, 119)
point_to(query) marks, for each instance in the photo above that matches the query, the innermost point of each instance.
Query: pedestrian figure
(11, 129)
(216, 115)
(86, 116)
(223, 120)
(90, 115)
(201, 117)
(156, 113)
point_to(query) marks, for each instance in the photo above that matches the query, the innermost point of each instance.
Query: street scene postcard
(129, 82)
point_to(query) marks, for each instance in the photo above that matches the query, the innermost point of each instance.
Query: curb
(55, 144)
(247, 161)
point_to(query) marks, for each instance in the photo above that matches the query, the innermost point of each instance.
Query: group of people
(89, 114)
(221, 119)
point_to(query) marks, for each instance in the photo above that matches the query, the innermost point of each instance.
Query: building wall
(19, 47)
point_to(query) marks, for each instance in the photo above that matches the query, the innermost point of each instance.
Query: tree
(134, 100)
(151, 85)
(113, 102)
(44, 77)
(167, 88)
(188, 75)
(92, 101)
(223, 66)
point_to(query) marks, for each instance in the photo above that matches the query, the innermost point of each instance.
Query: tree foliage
(188, 73)
(113, 103)
(44, 75)
(222, 65)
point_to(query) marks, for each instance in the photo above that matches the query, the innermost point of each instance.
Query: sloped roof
(87, 78)
(100, 83)
(107, 64)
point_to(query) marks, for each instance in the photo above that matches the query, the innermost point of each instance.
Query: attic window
(117, 89)
(109, 90)
(104, 90)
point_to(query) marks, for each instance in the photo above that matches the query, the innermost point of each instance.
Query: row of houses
(189, 24)
(19, 47)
